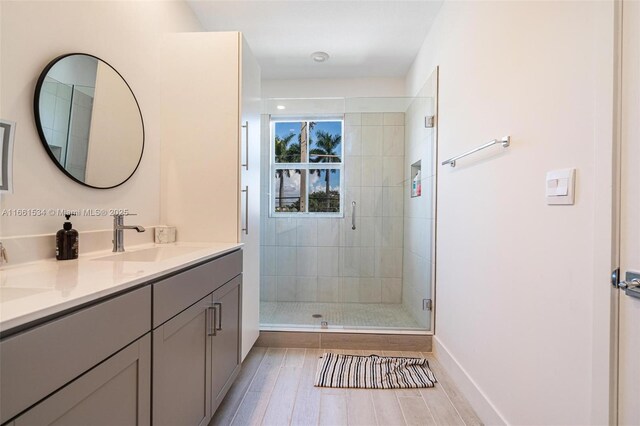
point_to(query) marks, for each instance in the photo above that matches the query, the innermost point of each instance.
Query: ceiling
(363, 38)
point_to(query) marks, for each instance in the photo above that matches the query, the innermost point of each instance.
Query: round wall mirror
(89, 120)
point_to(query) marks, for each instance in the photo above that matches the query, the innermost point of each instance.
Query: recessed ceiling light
(319, 56)
(281, 107)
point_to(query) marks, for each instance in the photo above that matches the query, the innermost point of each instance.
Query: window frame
(273, 166)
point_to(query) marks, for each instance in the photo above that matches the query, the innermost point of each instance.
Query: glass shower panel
(419, 211)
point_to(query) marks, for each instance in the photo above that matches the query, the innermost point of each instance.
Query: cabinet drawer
(177, 293)
(35, 363)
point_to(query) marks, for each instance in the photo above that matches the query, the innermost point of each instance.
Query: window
(307, 167)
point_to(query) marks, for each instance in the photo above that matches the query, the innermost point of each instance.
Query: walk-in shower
(348, 214)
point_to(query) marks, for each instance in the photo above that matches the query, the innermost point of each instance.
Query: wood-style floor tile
(275, 387)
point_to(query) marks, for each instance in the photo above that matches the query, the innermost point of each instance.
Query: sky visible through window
(284, 129)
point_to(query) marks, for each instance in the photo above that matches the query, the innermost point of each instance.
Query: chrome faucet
(118, 235)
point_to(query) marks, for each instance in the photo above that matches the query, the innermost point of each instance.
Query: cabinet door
(181, 368)
(199, 108)
(226, 342)
(251, 185)
(115, 392)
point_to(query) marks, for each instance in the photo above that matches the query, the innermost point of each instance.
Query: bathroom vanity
(151, 337)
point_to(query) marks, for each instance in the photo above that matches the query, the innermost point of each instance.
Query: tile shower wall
(310, 259)
(56, 98)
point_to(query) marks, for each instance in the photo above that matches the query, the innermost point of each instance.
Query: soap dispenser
(67, 242)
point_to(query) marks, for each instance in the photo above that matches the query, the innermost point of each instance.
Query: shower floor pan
(337, 317)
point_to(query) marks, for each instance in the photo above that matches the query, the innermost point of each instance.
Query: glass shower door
(387, 270)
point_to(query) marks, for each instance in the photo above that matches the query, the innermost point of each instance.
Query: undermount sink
(154, 254)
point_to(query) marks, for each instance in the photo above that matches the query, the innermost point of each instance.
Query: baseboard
(478, 400)
(382, 342)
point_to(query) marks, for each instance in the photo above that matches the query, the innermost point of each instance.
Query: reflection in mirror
(89, 120)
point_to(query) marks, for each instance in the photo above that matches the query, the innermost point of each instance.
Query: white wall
(125, 34)
(327, 88)
(517, 280)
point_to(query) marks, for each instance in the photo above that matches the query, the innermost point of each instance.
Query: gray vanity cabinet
(115, 392)
(162, 354)
(181, 369)
(48, 360)
(196, 358)
(225, 345)
(197, 341)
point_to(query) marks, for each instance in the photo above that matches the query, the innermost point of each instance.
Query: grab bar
(353, 215)
(505, 141)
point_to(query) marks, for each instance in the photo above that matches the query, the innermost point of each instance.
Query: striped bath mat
(373, 372)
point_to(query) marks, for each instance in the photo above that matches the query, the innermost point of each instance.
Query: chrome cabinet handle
(219, 311)
(245, 126)
(214, 328)
(246, 210)
(353, 215)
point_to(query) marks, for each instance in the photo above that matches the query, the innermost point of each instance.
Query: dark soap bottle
(67, 242)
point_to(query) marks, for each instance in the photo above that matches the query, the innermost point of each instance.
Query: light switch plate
(560, 187)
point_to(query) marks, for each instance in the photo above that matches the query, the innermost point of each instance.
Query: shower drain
(316, 316)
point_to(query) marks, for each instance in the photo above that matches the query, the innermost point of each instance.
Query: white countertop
(31, 291)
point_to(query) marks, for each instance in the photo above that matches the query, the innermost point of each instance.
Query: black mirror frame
(43, 139)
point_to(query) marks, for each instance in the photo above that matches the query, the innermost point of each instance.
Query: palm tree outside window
(307, 166)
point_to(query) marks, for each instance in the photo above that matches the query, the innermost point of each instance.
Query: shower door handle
(353, 215)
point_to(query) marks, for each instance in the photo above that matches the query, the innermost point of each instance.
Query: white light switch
(560, 186)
